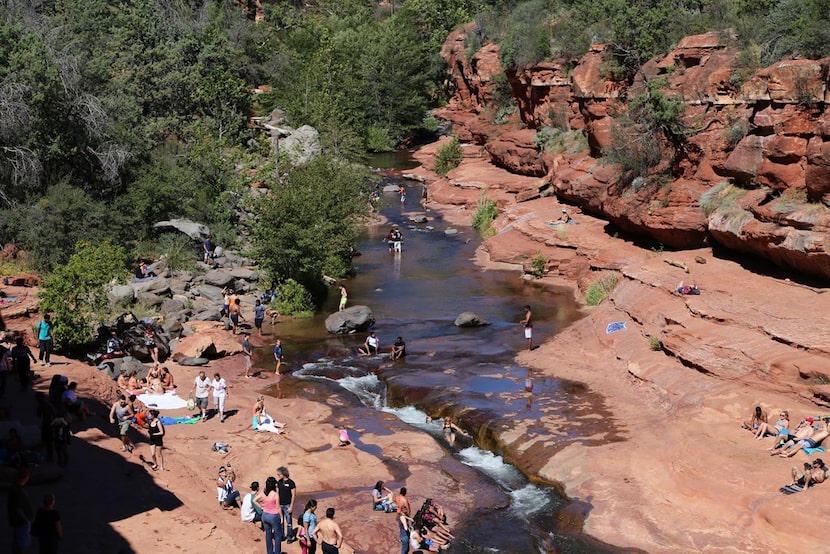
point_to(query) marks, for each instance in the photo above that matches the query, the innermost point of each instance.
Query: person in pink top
(271, 516)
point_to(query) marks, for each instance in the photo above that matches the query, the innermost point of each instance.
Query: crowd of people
(807, 436)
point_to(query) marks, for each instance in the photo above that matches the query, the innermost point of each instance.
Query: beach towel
(555, 223)
(174, 420)
(166, 401)
(614, 327)
(9, 299)
(791, 489)
(811, 451)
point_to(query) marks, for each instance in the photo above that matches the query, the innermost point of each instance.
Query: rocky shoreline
(673, 472)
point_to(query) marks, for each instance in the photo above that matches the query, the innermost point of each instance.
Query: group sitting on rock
(687, 289)
(807, 436)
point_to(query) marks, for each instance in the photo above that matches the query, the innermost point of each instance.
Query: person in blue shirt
(44, 337)
(278, 356)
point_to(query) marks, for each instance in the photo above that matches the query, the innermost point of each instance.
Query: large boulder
(155, 285)
(194, 230)
(133, 340)
(301, 145)
(470, 319)
(350, 320)
(207, 343)
(121, 295)
(219, 278)
(209, 292)
(246, 274)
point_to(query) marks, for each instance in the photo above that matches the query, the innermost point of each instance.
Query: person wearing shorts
(248, 352)
(259, 316)
(528, 323)
(278, 356)
(201, 386)
(220, 392)
(121, 414)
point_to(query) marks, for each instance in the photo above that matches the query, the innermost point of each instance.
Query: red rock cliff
(753, 176)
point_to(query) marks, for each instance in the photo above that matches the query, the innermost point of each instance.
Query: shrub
(789, 201)
(486, 213)
(293, 299)
(449, 157)
(378, 140)
(76, 292)
(721, 194)
(527, 38)
(654, 342)
(179, 251)
(538, 265)
(599, 289)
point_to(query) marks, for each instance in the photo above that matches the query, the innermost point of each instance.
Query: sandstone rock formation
(350, 320)
(767, 134)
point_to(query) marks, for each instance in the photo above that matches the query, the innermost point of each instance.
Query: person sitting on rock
(398, 349)
(114, 348)
(167, 381)
(261, 421)
(73, 404)
(781, 427)
(383, 502)
(565, 217)
(758, 417)
(371, 346)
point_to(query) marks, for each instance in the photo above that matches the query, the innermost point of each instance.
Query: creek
(468, 374)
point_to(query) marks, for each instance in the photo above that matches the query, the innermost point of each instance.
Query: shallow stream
(468, 374)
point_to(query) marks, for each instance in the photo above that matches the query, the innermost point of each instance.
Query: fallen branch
(681, 265)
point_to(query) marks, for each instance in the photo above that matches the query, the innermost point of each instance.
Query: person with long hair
(271, 516)
(309, 520)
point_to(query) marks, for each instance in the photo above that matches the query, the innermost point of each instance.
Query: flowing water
(468, 374)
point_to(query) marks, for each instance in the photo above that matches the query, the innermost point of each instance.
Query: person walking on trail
(259, 316)
(328, 534)
(236, 314)
(155, 430)
(528, 325)
(201, 386)
(248, 352)
(122, 414)
(44, 337)
(220, 393)
(207, 249)
(278, 355)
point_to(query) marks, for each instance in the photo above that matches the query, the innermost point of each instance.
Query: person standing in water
(528, 324)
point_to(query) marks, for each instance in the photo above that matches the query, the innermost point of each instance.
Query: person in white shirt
(201, 386)
(220, 392)
(251, 510)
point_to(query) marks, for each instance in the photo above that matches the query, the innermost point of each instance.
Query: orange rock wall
(769, 134)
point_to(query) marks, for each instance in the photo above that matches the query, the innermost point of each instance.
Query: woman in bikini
(781, 427)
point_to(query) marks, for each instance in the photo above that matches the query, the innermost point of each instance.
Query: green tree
(76, 292)
(307, 226)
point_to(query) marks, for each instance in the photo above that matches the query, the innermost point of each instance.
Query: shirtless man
(810, 442)
(759, 416)
(803, 430)
(403, 503)
(327, 534)
(528, 323)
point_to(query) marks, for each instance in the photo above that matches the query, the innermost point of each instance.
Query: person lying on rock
(813, 474)
(802, 431)
(687, 289)
(810, 442)
(758, 417)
